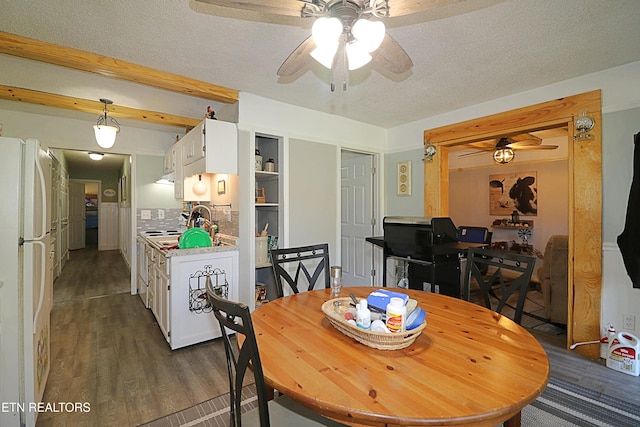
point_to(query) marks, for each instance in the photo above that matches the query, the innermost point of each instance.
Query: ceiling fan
(504, 148)
(351, 27)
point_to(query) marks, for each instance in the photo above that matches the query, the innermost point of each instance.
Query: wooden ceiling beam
(95, 107)
(22, 47)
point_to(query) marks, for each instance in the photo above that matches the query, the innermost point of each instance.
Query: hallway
(107, 351)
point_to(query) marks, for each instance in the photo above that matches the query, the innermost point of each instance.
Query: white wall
(308, 125)
(151, 195)
(313, 201)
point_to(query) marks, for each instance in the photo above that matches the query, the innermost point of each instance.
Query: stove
(152, 233)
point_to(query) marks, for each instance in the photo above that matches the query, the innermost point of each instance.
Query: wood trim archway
(585, 195)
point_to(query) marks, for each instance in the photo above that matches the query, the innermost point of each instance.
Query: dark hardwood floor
(108, 351)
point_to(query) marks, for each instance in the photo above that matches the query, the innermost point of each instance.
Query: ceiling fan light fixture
(106, 127)
(326, 31)
(325, 54)
(357, 57)
(369, 34)
(503, 155)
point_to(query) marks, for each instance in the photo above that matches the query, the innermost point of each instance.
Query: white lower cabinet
(190, 316)
(162, 287)
(175, 289)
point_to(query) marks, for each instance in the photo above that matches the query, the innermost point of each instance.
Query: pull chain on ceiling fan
(342, 24)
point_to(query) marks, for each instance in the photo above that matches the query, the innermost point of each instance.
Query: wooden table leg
(270, 393)
(514, 421)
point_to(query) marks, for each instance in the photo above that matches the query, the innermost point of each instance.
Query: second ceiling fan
(505, 147)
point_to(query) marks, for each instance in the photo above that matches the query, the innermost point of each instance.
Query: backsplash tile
(173, 220)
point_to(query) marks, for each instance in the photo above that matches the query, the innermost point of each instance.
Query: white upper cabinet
(178, 172)
(211, 147)
(170, 159)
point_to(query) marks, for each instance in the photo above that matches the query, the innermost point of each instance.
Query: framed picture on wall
(404, 178)
(513, 191)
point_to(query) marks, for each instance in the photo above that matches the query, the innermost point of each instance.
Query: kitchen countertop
(163, 242)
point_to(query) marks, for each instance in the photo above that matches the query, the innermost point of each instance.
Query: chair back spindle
(501, 271)
(309, 261)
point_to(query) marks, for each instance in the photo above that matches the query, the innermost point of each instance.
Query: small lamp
(105, 132)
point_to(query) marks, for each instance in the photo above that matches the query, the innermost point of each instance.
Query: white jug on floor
(623, 354)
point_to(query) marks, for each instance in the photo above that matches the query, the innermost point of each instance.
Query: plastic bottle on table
(396, 315)
(363, 315)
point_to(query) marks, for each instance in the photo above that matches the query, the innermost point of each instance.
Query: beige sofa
(553, 278)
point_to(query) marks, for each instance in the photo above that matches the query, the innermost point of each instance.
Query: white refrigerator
(26, 278)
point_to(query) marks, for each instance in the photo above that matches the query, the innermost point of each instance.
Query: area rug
(562, 404)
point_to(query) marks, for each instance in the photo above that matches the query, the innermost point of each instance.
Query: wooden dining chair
(308, 258)
(507, 273)
(281, 411)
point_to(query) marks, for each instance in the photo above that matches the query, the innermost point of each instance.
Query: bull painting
(516, 191)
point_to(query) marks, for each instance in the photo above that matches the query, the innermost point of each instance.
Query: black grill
(431, 248)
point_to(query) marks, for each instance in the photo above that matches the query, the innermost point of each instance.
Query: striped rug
(562, 404)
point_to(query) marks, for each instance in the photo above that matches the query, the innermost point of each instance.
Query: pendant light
(106, 128)
(199, 188)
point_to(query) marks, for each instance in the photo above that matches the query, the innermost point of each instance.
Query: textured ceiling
(465, 54)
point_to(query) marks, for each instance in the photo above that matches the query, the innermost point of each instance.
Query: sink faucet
(197, 208)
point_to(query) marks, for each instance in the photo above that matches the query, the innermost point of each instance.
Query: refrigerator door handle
(42, 286)
(43, 193)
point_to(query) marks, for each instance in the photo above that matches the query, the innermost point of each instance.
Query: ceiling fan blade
(272, 7)
(298, 59)
(472, 153)
(523, 144)
(391, 56)
(403, 7)
(536, 147)
(524, 140)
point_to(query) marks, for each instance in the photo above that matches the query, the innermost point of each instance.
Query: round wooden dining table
(469, 367)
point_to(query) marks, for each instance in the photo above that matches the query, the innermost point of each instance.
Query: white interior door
(357, 218)
(76, 215)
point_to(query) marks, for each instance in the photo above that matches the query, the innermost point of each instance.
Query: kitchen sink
(171, 242)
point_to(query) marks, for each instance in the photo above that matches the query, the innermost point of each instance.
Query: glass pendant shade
(105, 135)
(325, 54)
(356, 57)
(326, 31)
(503, 155)
(369, 34)
(199, 188)
(326, 35)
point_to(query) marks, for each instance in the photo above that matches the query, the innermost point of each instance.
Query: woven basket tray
(379, 340)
